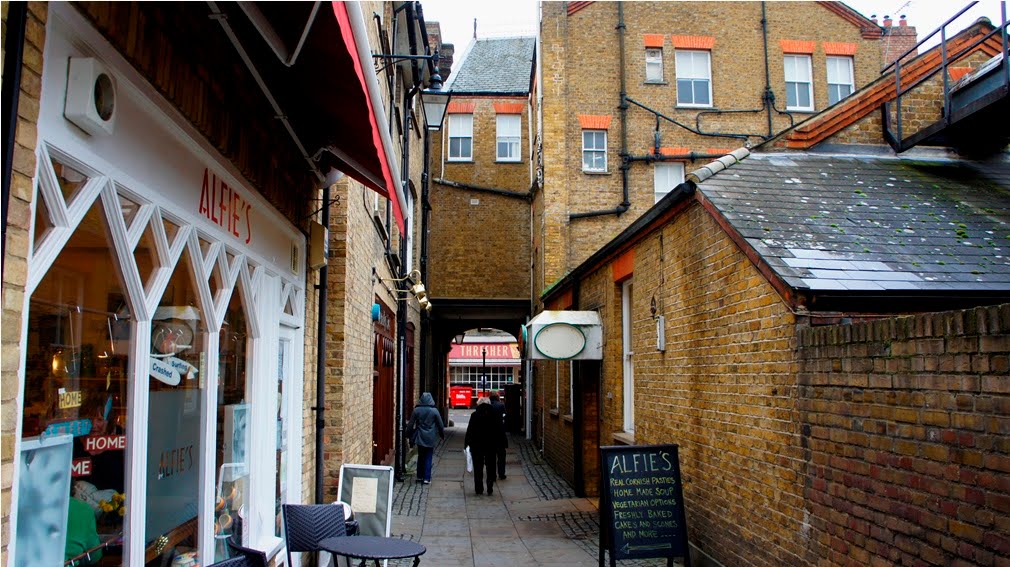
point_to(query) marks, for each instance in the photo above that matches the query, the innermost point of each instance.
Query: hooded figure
(424, 430)
(484, 436)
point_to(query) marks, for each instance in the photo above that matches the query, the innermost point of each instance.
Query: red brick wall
(906, 426)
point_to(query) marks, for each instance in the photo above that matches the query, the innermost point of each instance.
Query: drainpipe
(769, 98)
(320, 407)
(625, 202)
(17, 20)
(425, 209)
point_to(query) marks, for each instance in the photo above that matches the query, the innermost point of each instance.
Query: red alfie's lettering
(224, 206)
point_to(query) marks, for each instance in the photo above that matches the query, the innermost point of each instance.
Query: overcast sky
(499, 18)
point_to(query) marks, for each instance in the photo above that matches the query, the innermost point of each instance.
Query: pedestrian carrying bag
(469, 459)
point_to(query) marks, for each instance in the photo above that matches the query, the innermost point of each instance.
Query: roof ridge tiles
(708, 170)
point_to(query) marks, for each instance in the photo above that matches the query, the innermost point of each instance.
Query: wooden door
(383, 388)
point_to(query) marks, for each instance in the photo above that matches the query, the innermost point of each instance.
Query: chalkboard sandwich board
(642, 504)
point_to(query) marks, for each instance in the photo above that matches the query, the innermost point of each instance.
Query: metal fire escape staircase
(976, 108)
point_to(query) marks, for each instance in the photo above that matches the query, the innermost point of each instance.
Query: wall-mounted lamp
(458, 339)
(417, 289)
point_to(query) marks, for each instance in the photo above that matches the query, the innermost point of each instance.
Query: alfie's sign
(225, 206)
(642, 505)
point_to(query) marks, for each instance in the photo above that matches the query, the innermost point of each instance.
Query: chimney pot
(873, 19)
(902, 21)
(887, 21)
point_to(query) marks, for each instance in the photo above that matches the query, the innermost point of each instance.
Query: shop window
(129, 208)
(460, 137)
(799, 84)
(171, 230)
(233, 413)
(77, 357)
(654, 65)
(840, 80)
(43, 222)
(146, 256)
(694, 78)
(69, 179)
(594, 150)
(174, 439)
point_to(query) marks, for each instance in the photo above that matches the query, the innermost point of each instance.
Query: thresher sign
(642, 507)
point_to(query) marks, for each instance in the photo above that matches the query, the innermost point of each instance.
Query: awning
(355, 39)
(317, 62)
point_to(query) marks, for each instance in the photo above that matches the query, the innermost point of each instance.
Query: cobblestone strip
(409, 497)
(548, 484)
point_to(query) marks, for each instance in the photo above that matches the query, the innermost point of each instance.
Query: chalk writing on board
(643, 512)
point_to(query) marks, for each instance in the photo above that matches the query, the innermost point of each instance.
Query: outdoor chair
(306, 524)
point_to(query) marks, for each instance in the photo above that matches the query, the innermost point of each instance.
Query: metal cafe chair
(306, 524)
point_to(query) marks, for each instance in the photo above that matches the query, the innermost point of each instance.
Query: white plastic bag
(469, 460)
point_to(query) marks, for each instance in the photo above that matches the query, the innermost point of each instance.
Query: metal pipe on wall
(320, 407)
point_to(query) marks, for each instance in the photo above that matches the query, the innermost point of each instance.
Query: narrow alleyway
(533, 518)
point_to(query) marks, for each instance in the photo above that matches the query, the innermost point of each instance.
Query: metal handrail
(946, 59)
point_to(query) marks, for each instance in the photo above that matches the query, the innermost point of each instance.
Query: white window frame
(627, 355)
(790, 62)
(509, 128)
(683, 73)
(666, 176)
(460, 128)
(654, 63)
(594, 150)
(847, 81)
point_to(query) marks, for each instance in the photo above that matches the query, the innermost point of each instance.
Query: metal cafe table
(375, 548)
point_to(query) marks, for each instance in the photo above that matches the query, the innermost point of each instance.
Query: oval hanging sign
(560, 341)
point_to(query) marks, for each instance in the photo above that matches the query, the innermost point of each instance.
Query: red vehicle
(460, 396)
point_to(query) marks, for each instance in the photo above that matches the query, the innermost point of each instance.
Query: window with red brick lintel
(594, 142)
(694, 78)
(840, 78)
(653, 57)
(460, 137)
(799, 82)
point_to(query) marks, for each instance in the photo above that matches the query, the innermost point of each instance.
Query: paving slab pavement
(533, 517)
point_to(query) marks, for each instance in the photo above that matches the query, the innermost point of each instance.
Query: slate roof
(495, 66)
(871, 224)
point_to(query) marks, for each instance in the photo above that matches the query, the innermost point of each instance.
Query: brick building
(483, 176)
(700, 78)
(160, 255)
(822, 325)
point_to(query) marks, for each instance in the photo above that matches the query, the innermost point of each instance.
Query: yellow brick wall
(15, 259)
(581, 75)
(723, 390)
(479, 241)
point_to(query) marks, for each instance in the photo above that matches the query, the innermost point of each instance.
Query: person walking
(425, 423)
(483, 436)
(498, 408)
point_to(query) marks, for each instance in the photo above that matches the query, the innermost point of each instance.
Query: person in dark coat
(424, 430)
(498, 407)
(483, 436)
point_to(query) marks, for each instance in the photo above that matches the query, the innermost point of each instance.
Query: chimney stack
(897, 40)
(887, 21)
